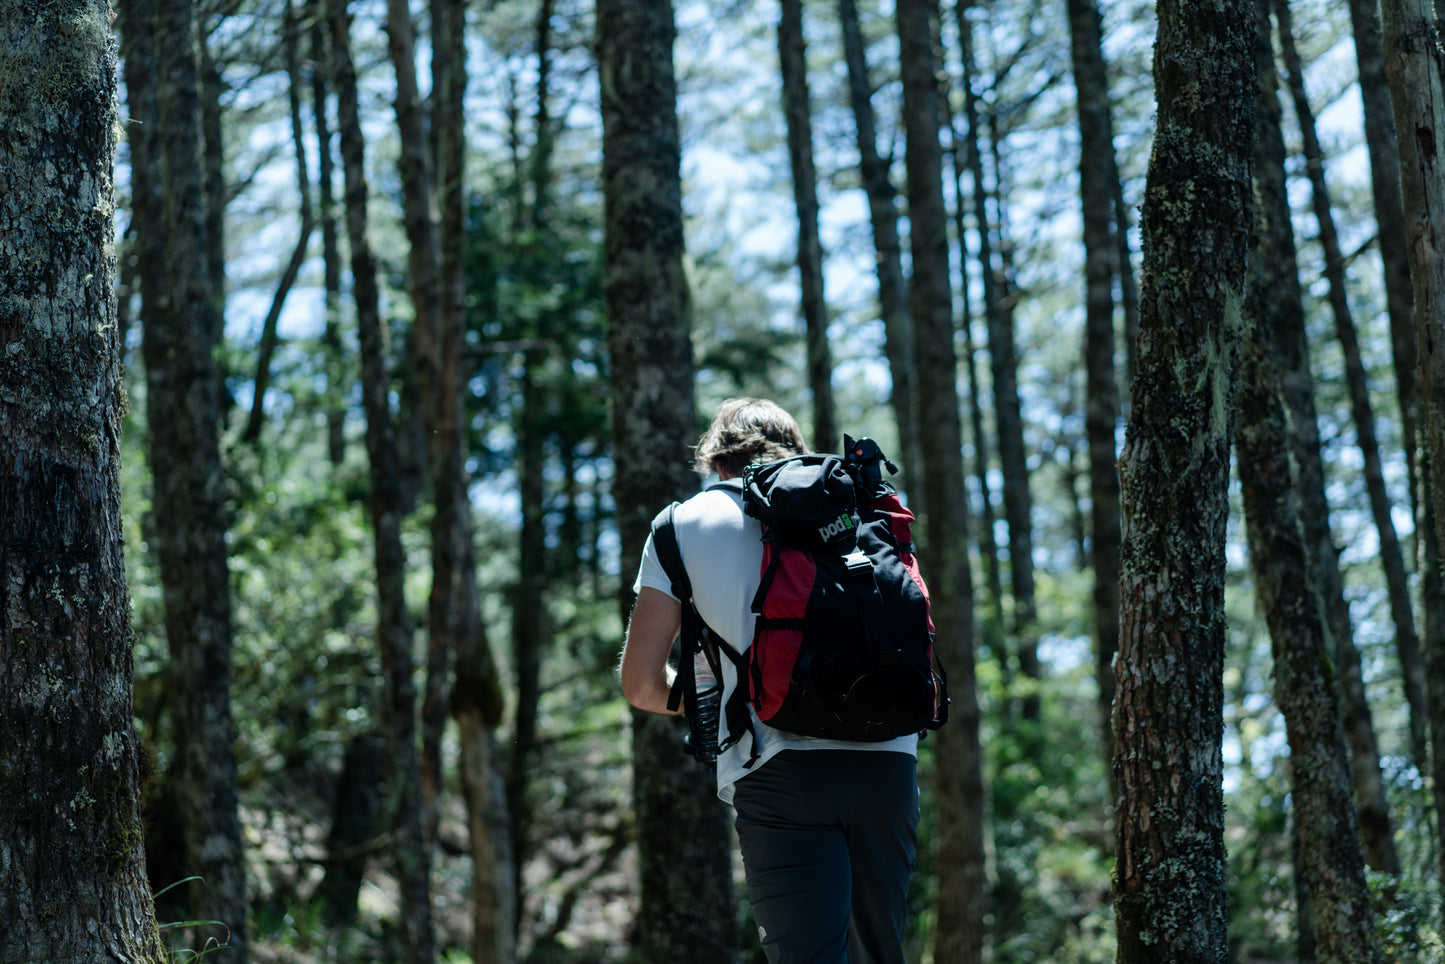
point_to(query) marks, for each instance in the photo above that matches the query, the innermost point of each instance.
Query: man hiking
(827, 827)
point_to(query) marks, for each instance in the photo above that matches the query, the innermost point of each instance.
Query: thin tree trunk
(1098, 182)
(792, 58)
(1326, 829)
(683, 836)
(1383, 147)
(1324, 816)
(1279, 307)
(1392, 559)
(987, 544)
(183, 417)
(270, 336)
(74, 885)
(529, 597)
(1170, 904)
(330, 252)
(958, 775)
(476, 693)
(419, 210)
(883, 217)
(529, 633)
(409, 848)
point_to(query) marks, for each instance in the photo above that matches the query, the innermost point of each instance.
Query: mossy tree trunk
(74, 887)
(958, 771)
(687, 907)
(1174, 479)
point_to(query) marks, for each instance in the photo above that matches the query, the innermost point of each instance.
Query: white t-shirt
(722, 550)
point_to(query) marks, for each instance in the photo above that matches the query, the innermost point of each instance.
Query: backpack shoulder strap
(664, 540)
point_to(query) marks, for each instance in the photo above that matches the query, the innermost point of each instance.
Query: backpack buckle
(857, 562)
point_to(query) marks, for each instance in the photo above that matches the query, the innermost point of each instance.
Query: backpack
(843, 644)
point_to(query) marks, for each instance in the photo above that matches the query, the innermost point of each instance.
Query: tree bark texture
(1174, 475)
(410, 850)
(687, 906)
(883, 218)
(1278, 306)
(1324, 816)
(959, 771)
(1414, 62)
(1327, 831)
(1098, 180)
(183, 416)
(74, 887)
(1392, 557)
(793, 61)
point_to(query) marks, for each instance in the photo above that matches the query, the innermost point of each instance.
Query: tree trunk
(1326, 829)
(1392, 559)
(687, 906)
(270, 333)
(1433, 577)
(883, 217)
(1174, 474)
(418, 189)
(354, 819)
(1324, 816)
(1097, 183)
(959, 799)
(529, 635)
(1413, 67)
(74, 886)
(1017, 503)
(793, 60)
(1383, 147)
(991, 306)
(410, 850)
(477, 706)
(213, 153)
(476, 692)
(183, 417)
(1279, 307)
(336, 381)
(531, 231)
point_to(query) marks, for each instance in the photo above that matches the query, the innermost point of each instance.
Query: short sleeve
(650, 575)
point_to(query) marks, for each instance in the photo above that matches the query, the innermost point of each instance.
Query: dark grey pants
(828, 840)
